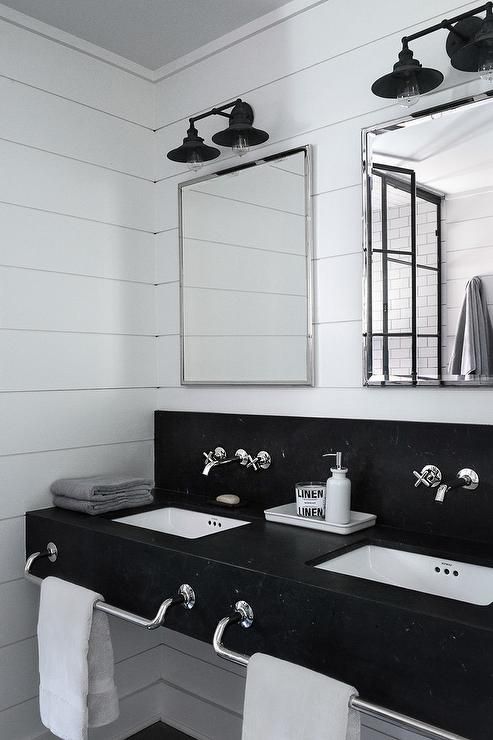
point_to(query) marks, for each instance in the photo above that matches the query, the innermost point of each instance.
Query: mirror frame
(310, 379)
(367, 135)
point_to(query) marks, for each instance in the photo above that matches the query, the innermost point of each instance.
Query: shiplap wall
(309, 86)
(77, 347)
(308, 79)
(78, 313)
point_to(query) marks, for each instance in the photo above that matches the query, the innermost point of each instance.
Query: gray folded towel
(99, 487)
(120, 501)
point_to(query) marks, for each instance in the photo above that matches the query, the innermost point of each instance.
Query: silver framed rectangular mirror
(428, 247)
(246, 274)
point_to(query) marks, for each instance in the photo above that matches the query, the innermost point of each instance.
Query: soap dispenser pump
(338, 497)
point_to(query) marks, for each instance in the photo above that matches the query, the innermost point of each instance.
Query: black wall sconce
(240, 135)
(470, 48)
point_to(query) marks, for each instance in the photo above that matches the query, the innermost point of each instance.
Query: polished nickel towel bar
(243, 615)
(185, 596)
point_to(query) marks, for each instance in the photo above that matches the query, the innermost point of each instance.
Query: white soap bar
(228, 498)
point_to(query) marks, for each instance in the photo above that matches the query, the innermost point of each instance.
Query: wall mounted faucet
(466, 478)
(218, 457)
(430, 476)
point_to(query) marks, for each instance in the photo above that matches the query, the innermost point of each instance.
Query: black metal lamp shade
(193, 149)
(472, 44)
(406, 70)
(240, 125)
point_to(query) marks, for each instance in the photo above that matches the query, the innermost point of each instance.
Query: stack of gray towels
(101, 493)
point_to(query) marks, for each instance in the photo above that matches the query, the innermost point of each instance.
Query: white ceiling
(148, 32)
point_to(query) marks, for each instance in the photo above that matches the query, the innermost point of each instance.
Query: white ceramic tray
(286, 514)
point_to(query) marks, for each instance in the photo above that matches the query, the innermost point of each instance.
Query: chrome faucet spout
(215, 463)
(466, 478)
(218, 457)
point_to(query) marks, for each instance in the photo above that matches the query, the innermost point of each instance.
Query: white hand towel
(284, 701)
(76, 665)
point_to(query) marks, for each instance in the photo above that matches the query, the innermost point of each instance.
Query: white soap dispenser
(338, 497)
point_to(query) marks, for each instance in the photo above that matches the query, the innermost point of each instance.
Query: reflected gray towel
(99, 487)
(473, 346)
(284, 701)
(140, 497)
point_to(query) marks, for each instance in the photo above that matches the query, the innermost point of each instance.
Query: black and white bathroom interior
(103, 368)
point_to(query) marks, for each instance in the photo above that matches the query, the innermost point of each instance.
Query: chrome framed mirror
(246, 274)
(428, 247)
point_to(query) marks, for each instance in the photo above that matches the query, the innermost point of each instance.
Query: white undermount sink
(182, 522)
(428, 574)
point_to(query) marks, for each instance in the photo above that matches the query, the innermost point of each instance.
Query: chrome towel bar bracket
(185, 595)
(243, 615)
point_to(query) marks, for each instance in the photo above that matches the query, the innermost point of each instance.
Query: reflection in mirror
(429, 248)
(245, 274)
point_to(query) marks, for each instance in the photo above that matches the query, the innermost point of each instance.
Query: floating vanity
(412, 639)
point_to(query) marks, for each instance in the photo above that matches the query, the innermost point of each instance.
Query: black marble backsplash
(380, 455)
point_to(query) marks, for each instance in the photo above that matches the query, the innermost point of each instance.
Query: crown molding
(14, 17)
(269, 20)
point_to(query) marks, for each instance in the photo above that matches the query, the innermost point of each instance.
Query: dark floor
(159, 731)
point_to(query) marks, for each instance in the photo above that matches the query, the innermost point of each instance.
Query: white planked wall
(79, 313)
(307, 86)
(77, 347)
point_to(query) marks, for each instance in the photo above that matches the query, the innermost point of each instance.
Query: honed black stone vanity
(422, 655)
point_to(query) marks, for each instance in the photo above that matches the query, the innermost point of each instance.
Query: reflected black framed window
(403, 320)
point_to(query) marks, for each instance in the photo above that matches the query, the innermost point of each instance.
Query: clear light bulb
(240, 147)
(409, 94)
(485, 65)
(195, 161)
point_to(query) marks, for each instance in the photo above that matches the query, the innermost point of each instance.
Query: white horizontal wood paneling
(69, 129)
(278, 186)
(168, 308)
(136, 712)
(197, 717)
(334, 214)
(66, 360)
(18, 605)
(39, 179)
(129, 640)
(26, 479)
(18, 668)
(56, 68)
(226, 221)
(168, 360)
(254, 359)
(224, 312)
(59, 302)
(167, 257)
(50, 241)
(338, 355)
(464, 263)
(77, 273)
(230, 267)
(470, 406)
(12, 539)
(198, 676)
(338, 288)
(64, 419)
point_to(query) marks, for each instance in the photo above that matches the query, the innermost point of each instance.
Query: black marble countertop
(423, 655)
